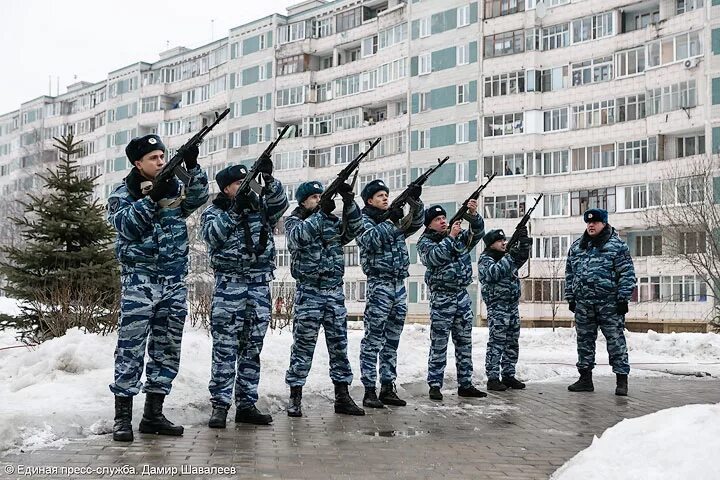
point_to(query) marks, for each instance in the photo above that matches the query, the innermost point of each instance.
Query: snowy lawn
(59, 390)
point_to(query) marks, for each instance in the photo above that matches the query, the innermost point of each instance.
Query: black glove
(244, 201)
(414, 192)
(266, 165)
(396, 214)
(327, 205)
(347, 193)
(190, 156)
(621, 308)
(522, 232)
(525, 243)
(161, 190)
(571, 305)
(519, 255)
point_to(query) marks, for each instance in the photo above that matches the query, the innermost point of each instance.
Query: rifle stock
(174, 166)
(345, 173)
(462, 211)
(253, 172)
(402, 199)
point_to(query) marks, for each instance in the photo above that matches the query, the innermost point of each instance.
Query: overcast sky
(88, 39)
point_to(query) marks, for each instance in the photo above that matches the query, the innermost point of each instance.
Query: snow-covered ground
(60, 389)
(674, 444)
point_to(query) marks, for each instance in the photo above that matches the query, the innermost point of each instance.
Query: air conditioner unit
(691, 62)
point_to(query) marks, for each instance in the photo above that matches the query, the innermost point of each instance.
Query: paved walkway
(509, 435)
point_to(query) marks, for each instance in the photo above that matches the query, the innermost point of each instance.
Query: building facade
(591, 103)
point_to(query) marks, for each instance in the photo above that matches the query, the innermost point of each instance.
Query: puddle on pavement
(411, 432)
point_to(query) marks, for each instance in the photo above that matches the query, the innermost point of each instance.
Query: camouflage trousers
(315, 307)
(152, 312)
(588, 318)
(384, 319)
(450, 313)
(238, 323)
(502, 347)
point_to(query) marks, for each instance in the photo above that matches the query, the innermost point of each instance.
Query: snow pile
(674, 444)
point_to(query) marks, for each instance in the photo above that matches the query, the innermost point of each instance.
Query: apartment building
(590, 103)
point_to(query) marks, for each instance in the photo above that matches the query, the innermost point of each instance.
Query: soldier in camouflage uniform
(315, 237)
(385, 261)
(498, 275)
(152, 248)
(599, 281)
(237, 229)
(446, 256)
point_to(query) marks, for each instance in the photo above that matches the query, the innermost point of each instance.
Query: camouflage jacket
(447, 260)
(599, 269)
(152, 239)
(383, 252)
(316, 240)
(242, 245)
(498, 275)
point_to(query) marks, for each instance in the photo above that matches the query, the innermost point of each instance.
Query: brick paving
(509, 435)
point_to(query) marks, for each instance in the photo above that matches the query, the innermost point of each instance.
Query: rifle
(525, 219)
(174, 166)
(402, 199)
(345, 173)
(460, 214)
(253, 172)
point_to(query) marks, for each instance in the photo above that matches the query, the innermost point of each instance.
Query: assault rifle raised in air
(462, 211)
(253, 173)
(523, 222)
(344, 175)
(174, 166)
(402, 199)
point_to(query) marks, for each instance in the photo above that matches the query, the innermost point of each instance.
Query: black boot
(470, 391)
(512, 382)
(370, 399)
(621, 389)
(294, 408)
(122, 430)
(154, 421)
(344, 403)
(388, 395)
(218, 419)
(252, 415)
(584, 384)
(435, 393)
(496, 385)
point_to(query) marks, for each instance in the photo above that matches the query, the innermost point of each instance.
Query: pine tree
(63, 271)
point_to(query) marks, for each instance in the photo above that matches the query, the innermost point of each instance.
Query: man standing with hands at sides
(237, 229)
(152, 247)
(498, 275)
(385, 261)
(599, 281)
(315, 238)
(446, 256)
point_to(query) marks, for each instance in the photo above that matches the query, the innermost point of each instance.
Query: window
(506, 43)
(290, 160)
(347, 85)
(291, 33)
(423, 139)
(684, 6)
(322, 27)
(345, 153)
(462, 94)
(555, 205)
(499, 125)
(543, 290)
(590, 158)
(388, 72)
(424, 27)
(505, 84)
(321, 125)
(677, 288)
(671, 97)
(692, 145)
(635, 197)
(462, 171)
(551, 247)
(423, 293)
(504, 165)
(462, 132)
(290, 96)
(424, 64)
(594, 114)
(149, 104)
(497, 8)
(592, 28)
(347, 119)
(553, 79)
(630, 108)
(554, 163)
(630, 62)
(692, 242)
(463, 16)
(556, 119)
(556, 36)
(462, 54)
(510, 206)
(645, 244)
(634, 152)
(672, 49)
(592, 71)
(351, 255)
(392, 36)
(581, 201)
(356, 291)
